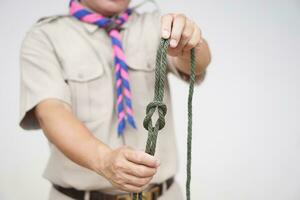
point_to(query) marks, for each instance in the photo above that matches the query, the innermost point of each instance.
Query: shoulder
(48, 23)
(52, 19)
(48, 26)
(40, 34)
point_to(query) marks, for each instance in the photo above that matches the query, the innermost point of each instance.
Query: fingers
(178, 25)
(130, 188)
(130, 183)
(128, 169)
(194, 40)
(183, 33)
(136, 181)
(166, 25)
(139, 170)
(186, 35)
(141, 158)
(133, 178)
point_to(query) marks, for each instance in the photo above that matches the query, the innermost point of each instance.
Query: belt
(151, 194)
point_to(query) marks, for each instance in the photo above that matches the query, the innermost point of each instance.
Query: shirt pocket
(89, 88)
(142, 79)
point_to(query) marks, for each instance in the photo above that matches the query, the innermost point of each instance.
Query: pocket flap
(139, 62)
(83, 69)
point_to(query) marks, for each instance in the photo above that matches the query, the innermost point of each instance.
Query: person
(86, 84)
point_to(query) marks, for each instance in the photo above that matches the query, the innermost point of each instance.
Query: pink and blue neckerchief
(124, 102)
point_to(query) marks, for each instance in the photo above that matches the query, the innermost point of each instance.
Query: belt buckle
(123, 197)
(147, 195)
(151, 194)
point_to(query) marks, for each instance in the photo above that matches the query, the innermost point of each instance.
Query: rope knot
(151, 108)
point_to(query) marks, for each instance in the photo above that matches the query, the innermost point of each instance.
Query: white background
(246, 113)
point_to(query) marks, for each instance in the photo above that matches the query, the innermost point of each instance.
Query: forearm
(124, 167)
(203, 58)
(69, 135)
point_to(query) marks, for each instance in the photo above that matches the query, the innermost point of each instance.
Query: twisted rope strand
(157, 104)
(189, 128)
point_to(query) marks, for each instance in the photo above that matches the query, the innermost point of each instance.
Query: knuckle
(185, 35)
(119, 180)
(118, 165)
(190, 45)
(118, 177)
(194, 43)
(176, 51)
(175, 36)
(171, 51)
(186, 48)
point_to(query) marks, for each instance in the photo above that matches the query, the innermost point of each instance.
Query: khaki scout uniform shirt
(66, 59)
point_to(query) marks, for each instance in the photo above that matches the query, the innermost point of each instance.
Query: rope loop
(157, 104)
(151, 108)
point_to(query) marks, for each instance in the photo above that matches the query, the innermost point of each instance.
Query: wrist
(100, 161)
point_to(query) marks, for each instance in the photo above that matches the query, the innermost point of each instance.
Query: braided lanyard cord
(157, 103)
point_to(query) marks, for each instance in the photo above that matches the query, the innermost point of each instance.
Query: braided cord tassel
(124, 105)
(157, 103)
(112, 26)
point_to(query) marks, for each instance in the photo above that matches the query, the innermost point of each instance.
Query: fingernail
(165, 34)
(173, 43)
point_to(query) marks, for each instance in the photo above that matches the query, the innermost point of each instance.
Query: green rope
(189, 128)
(157, 104)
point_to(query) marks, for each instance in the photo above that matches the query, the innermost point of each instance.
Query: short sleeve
(41, 76)
(186, 77)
